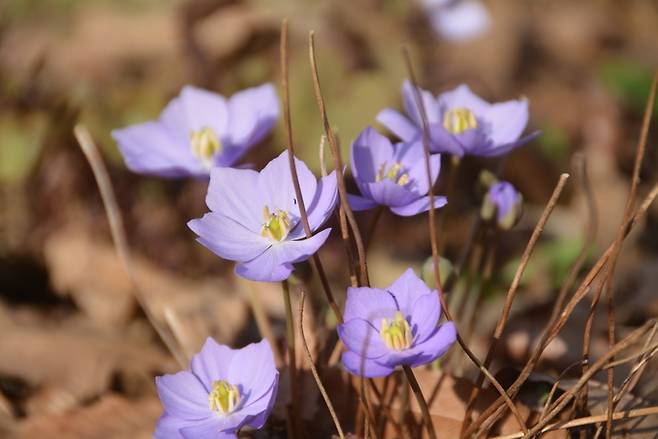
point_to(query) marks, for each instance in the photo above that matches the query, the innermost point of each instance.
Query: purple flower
(224, 390)
(199, 130)
(391, 327)
(255, 218)
(392, 175)
(457, 20)
(503, 200)
(460, 122)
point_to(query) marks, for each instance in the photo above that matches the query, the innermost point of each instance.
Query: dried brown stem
(555, 409)
(588, 420)
(338, 165)
(630, 204)
(418, 393)
(435, 254)
(511, 293)
(630, 382)
(317, 263)
(119, 237)
(292, 359)
(426, 149)
(495, 410)
(314, 371)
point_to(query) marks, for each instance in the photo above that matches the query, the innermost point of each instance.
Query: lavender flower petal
(418, 173)
(168, 427)
(355, 364)
(436, 344)
(183, 394)
(275, 264)
(508, 120)
(321, 207)
(419, 206)
(227, 238)
(425, 316)
(275, 184)
(463, 97)
(235, 194)
(205, 365)
(369, 151)
(253, 368)
(488, 151)
(358, 203)
(252, 114)
(204, 109)
(368, 304)
(389, 193)
(407, 289)
(361, 336)
(398, 124)
(209, 428)
(430, 104)
(147, 149)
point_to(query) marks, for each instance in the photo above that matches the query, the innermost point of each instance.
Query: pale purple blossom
(398, 325)
(199, 130)
(223, 391)
(460, 122)
(503, 200)
(254, 217)
(392, 175)
(457, 20)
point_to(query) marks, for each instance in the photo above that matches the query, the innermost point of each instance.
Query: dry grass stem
(317, 263)
(338, 165)
(435, 255)
(119, 237)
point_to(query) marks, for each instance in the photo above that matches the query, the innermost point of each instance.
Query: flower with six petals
(392, 327)
(255, 217)
(392, 175)
(224, 390)
(198, 130)
(460, 122)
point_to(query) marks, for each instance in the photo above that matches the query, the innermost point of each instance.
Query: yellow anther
(396, 334)
(224, 397)
(392, 174)
(205, 144)
(276, 225)
(458, 120)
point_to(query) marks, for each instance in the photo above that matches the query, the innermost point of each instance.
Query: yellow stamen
(205, 144)
(396, 334)
(224, 397)
(392, 174)
(458, 120)
(276, 225)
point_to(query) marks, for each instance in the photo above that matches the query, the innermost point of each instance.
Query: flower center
(224, 397)
(458, 120)
(276, 225)
(393, 173)
(205, 144)
(397, 333)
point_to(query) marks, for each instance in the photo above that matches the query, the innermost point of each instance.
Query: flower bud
(502, 203)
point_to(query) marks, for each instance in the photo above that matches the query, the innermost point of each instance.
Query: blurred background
(77, 356)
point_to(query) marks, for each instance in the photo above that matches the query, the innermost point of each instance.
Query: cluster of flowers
(254, 219)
